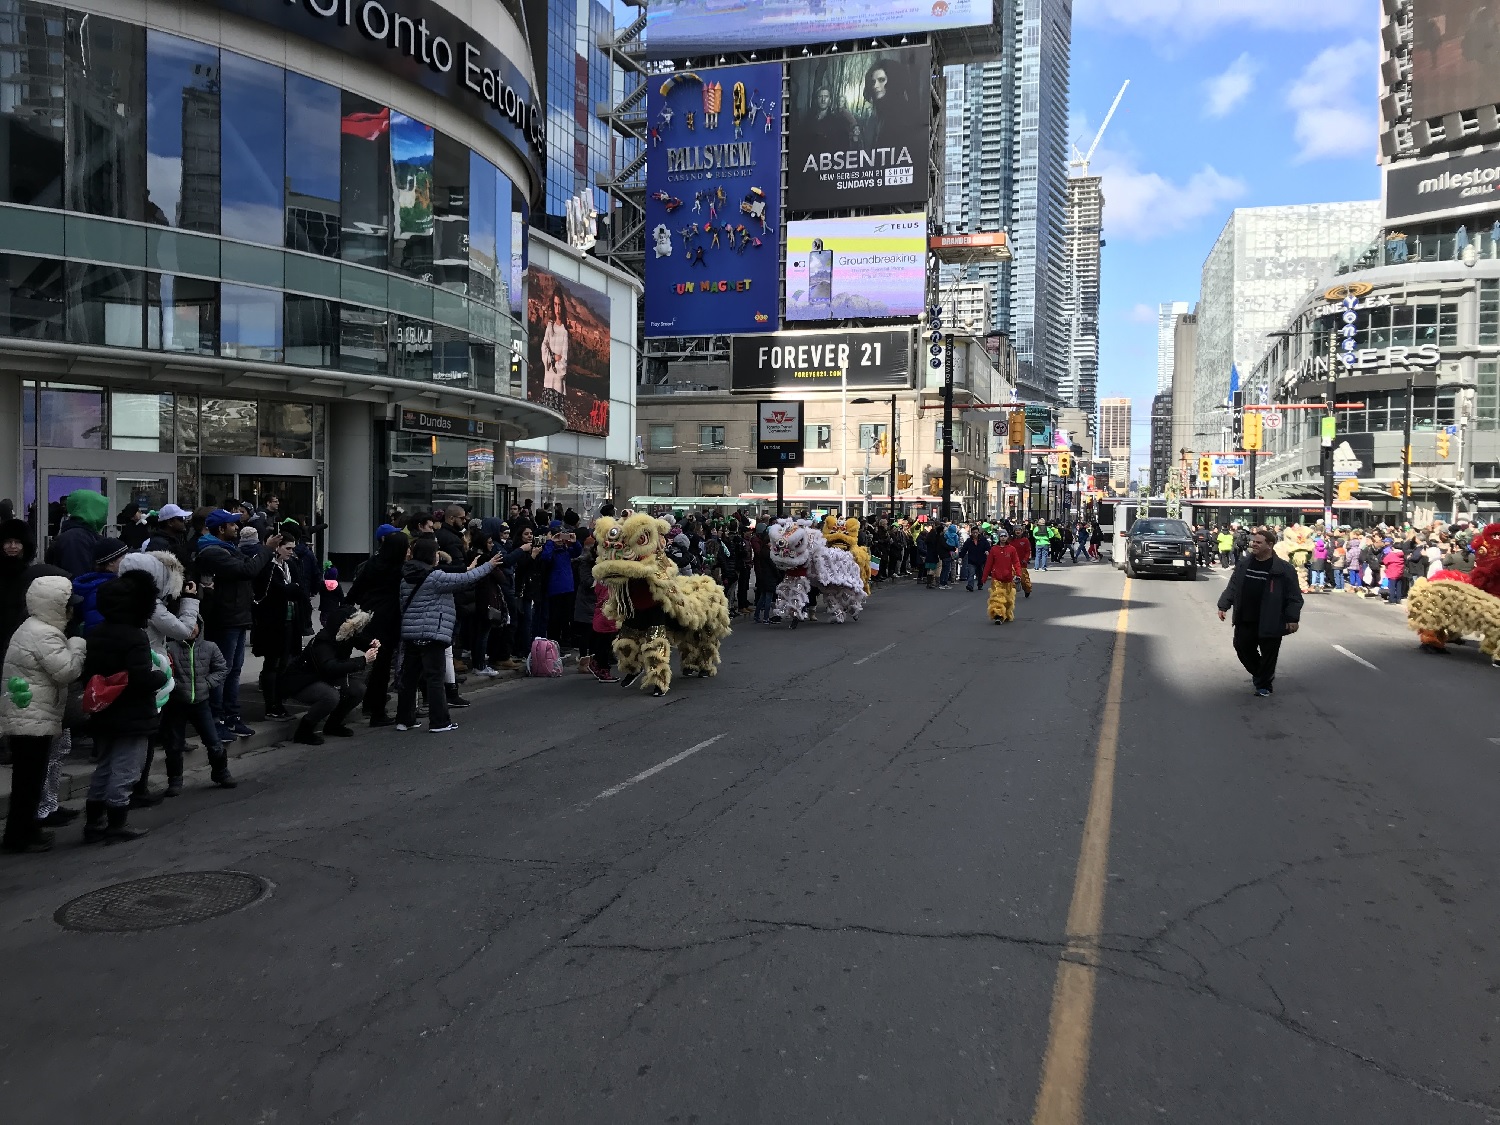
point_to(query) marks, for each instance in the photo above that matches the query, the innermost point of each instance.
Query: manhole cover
(161, 900)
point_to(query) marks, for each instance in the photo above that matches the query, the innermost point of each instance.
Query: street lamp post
(891, 440)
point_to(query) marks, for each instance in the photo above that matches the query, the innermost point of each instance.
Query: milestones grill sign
(423, 43)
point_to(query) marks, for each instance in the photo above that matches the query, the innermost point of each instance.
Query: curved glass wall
(201, 202)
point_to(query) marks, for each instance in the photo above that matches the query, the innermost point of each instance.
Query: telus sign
(421, 43)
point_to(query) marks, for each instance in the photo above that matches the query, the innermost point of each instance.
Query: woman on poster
(555, 354)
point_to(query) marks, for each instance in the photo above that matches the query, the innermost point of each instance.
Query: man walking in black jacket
(1267, 603)
(228, 607)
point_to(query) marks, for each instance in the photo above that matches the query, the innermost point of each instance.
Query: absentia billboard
(713, 200)
(858, 129)
(677, 28)
(851, 269)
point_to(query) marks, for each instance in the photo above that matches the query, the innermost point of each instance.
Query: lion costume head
(841, 534)
(631, 546)
(791, 543)
(1295, 540)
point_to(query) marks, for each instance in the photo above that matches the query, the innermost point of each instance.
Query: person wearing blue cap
(228, 608)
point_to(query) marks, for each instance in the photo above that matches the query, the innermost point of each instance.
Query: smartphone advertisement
(848, 269)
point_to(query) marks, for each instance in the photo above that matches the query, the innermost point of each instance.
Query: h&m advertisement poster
(567, 355)
(713, 200)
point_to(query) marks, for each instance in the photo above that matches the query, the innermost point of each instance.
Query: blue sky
(1232, 103)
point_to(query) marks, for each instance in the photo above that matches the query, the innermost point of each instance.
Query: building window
(1489, 312)
(106, 85)
(713, 484)
(710, 437)
(870, 435)
(32, 298)
(875, 485)
(765, 485)
(182, 314)
(661, 484)
(140, 422)
(250, 323)
(312, 176)
(819, 437)
(1487, 399)
(32, 112)
(660, 439)
(412, 144)
(254, 150)
(104, 305)
(182, 133)
(817, 484)
(310, 326)
(365, 182)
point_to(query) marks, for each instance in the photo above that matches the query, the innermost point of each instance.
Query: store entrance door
(295, 493)
(147, 480)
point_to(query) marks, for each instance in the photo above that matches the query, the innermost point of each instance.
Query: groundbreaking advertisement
(713, 201)
(857, 360)
(849, 269)
(567, 359)
(858, 129)
(677, 28)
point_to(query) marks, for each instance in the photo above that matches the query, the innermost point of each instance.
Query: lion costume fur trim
(1454, 609)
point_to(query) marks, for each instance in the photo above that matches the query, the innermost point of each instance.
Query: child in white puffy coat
(40, 663)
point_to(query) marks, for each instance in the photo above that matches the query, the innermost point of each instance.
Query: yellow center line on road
(1065, 1067)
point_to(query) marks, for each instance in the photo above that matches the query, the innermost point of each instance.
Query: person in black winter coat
(283, 616)
(229, 605)
(328, 674)
(18, 568)
(377, 589)
(122, 729)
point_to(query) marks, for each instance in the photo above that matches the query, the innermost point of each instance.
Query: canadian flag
(367, 126)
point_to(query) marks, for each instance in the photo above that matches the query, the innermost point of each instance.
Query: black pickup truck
(1160, 546)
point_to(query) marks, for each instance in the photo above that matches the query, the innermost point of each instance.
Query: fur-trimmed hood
(164, 568)
(357, 621)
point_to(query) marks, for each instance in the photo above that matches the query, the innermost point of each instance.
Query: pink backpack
(545, 658)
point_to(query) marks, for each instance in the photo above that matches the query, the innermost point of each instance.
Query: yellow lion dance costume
(655, 606)
(843, 535)
(1295, 545)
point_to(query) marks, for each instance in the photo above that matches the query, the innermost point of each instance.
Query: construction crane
(1081, 159)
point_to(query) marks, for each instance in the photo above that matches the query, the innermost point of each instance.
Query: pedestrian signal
(1205, 469)
(1017, 439)
(1064, 464)
(1347, 489)
(1251, 437)
(903, 480)
(1442, 445)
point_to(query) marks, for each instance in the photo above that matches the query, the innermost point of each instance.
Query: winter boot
(306, 734)
(93, 822)
(219, 773)
(118, 831)
(454, 699)
(174, 786)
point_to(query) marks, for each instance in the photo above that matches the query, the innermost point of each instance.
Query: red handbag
(101, 691)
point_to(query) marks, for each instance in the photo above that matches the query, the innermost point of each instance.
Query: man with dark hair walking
(1267, 601)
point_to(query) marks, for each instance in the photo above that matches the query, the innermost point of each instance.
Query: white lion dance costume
(799, 550)
(843, 535)
(654, 605)
(791, 548)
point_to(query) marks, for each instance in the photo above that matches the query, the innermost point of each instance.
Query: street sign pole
(780, 492)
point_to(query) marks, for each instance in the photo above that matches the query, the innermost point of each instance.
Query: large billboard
(679, 28)
(1453, 57)
(713, 200)
(568, 350)
(1450, 185)
(858, 129)
(851, 269)
(876, 359)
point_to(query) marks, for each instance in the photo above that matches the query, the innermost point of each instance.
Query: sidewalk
(78, 769)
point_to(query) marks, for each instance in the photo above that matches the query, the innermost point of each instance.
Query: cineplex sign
(423, 43)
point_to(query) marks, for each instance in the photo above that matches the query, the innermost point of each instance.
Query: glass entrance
(141, 489)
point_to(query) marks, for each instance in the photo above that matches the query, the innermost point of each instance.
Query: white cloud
(1142, 314)
(1332, 103)
(1227, 90)
(1191, 19)
(1141, 206)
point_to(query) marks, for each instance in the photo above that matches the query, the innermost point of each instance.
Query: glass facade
(205, 203)
(578, 77)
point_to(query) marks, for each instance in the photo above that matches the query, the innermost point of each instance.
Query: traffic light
(903, 481)
(1406, 455)
(937, 484)
(1017, 437)
(880, 446)
(1205, 470)
(1064, 464)
(1347, 489)
(1396, 489)
(1251, 432)
(1442, 445)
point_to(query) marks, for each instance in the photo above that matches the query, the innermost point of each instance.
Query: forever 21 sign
(859, 359)
(424, 44)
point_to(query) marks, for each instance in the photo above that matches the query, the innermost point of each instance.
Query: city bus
(1117, 513)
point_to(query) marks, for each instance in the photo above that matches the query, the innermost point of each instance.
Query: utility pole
(892, 481)
(947, 426)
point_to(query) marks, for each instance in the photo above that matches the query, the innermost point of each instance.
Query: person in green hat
(73, 549)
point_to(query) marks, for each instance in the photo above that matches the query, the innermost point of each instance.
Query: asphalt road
(849, 903)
